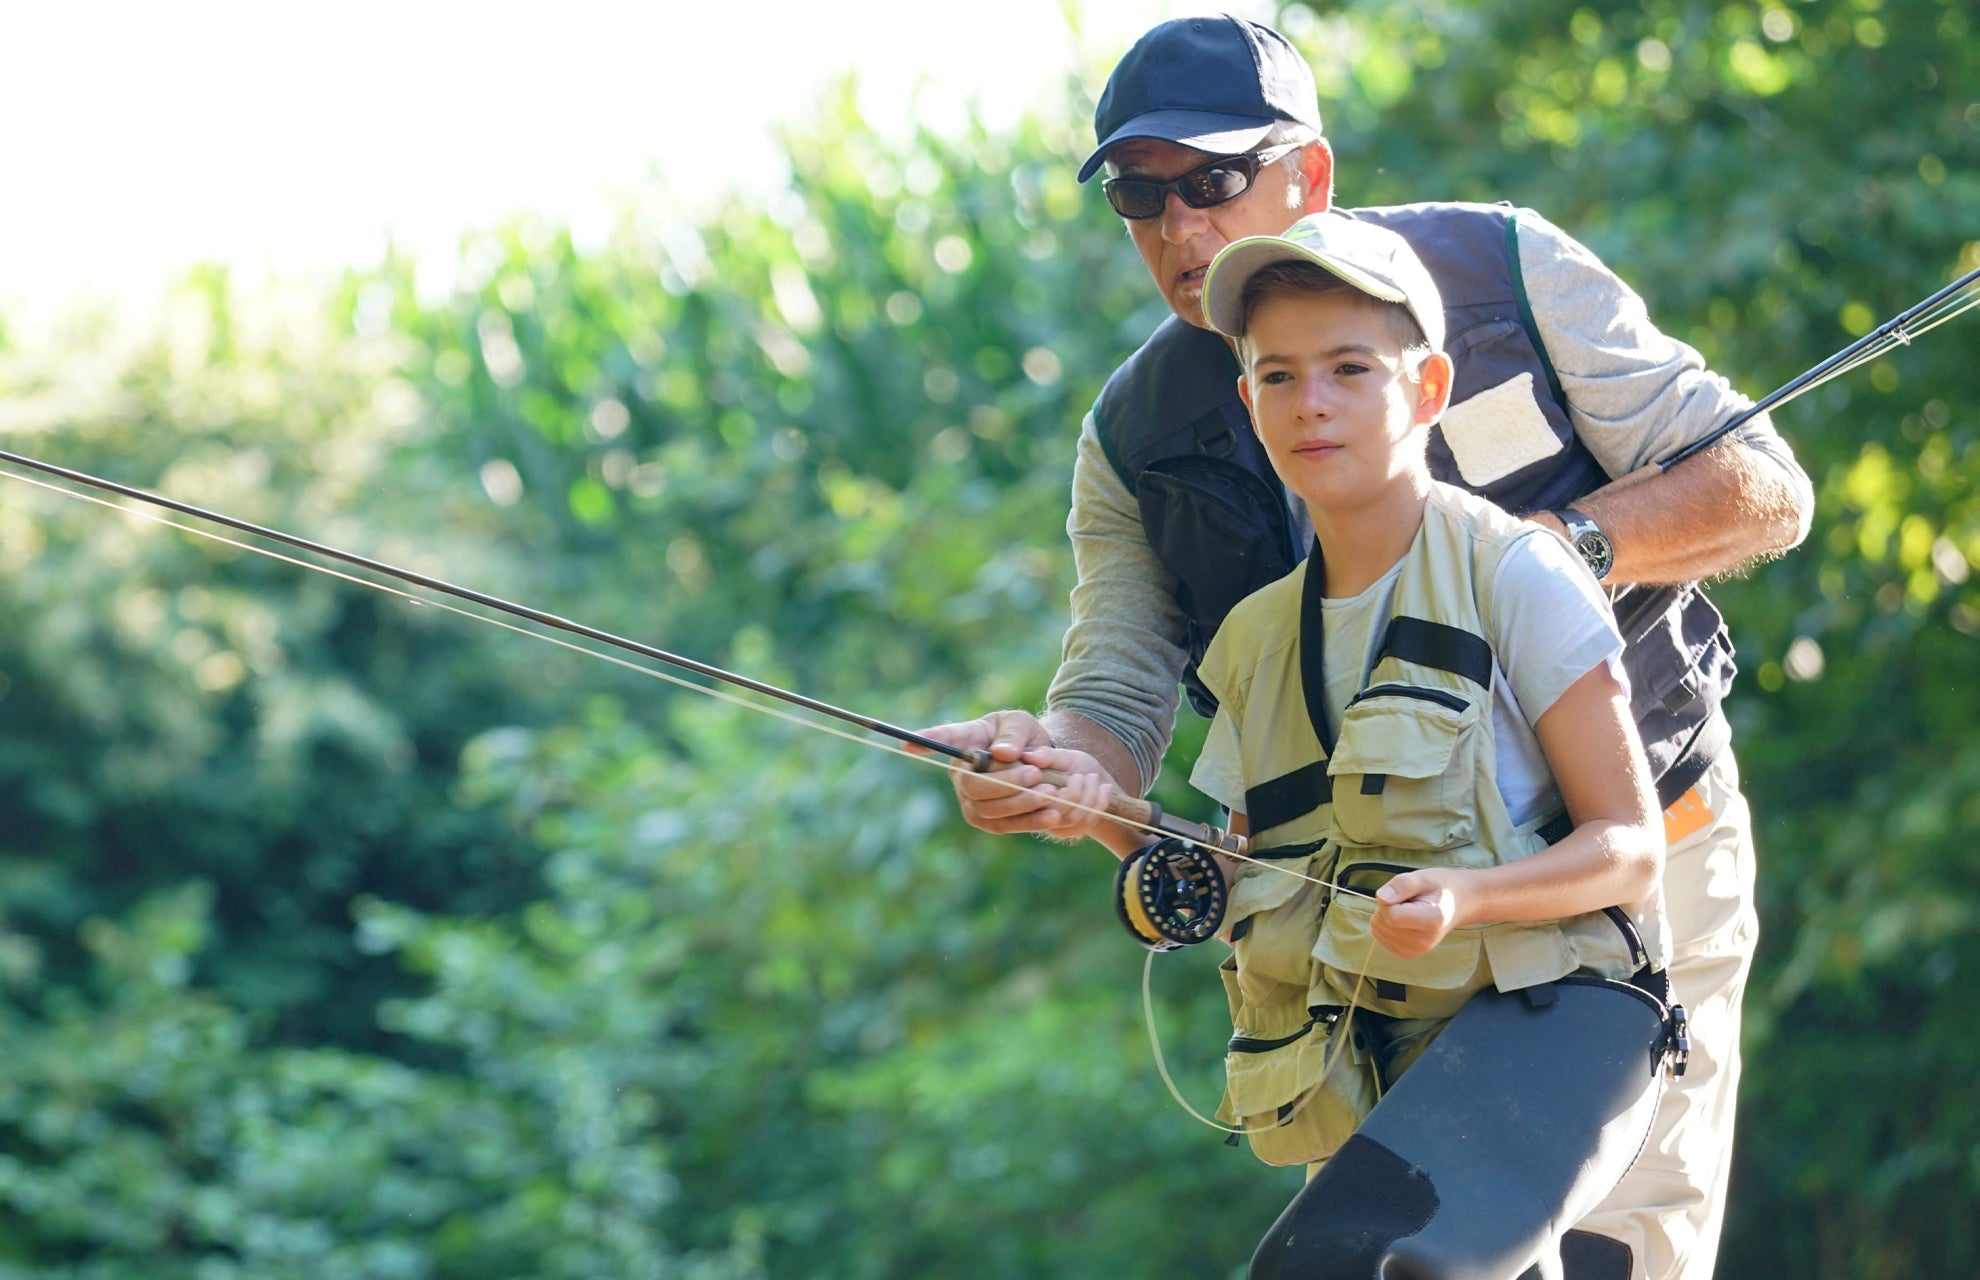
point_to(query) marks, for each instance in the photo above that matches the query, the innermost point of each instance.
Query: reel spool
(1171, 894)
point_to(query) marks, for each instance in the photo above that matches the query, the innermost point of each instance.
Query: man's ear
(1433, 382)
(1316, 167)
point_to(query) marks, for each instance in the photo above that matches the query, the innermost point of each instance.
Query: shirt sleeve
(1123, 657)
(1551, 623)
(1219, 771)
(1635, 395)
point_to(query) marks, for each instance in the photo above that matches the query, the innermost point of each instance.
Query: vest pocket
(1394, 783)
(1293, 1082)
(1359, 969)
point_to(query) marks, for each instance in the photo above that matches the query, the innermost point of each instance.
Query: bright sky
(141, 138)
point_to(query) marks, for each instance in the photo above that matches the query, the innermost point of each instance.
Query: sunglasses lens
(1213, 184)
(1136, 198)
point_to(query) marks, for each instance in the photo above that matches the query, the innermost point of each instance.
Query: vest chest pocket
(1402, 768)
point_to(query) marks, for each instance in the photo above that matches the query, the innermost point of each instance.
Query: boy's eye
(1352, 368)
(1275, 377)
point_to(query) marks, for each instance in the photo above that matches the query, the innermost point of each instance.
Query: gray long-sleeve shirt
(1635, 395)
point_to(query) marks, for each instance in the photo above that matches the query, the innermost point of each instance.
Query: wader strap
(1711, 738)
(1289, 796)
(1434, 644)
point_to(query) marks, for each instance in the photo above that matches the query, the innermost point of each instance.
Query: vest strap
(1289, 796)
(1435, 644)
(1313, 647)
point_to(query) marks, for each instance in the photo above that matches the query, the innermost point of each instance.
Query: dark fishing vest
(1216, 515)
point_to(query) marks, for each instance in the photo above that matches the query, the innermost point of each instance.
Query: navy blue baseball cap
(1218, 84)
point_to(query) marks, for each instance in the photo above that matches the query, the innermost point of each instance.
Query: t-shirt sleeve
(1219, 771)
(1551, 623)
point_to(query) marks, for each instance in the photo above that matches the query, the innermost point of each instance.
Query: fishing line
(720, 695)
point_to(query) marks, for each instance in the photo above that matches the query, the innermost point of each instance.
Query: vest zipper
(1438, 696)
(1249, 1044)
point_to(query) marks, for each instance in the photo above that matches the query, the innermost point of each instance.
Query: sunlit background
(282, 139)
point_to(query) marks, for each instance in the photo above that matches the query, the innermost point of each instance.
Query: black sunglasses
(1204, 187)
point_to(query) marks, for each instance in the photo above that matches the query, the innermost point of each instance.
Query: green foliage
(341, 937)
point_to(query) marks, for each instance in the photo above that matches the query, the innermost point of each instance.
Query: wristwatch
(1586, 537)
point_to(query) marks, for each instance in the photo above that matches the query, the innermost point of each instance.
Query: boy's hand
(1414, 911)
(1074, 809)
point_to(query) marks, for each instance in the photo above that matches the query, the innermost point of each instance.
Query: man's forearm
(1710, 515)
(1074, 732)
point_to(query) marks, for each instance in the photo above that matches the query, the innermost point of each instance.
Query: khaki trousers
(1671, 1204)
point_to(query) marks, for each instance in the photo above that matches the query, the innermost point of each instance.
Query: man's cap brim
(1208, 131)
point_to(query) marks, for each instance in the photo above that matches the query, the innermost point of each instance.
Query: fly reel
(1171, 894)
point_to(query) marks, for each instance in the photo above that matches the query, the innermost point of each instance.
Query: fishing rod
(1899, 330)
(1143, 814)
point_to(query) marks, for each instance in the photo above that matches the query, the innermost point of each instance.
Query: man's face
(1179, 245)
(1334, 400)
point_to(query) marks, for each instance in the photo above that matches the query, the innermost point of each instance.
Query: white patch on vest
(1498, 431)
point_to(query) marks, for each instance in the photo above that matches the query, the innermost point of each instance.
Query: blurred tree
(641, 984)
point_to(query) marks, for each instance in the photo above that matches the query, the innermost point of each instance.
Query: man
(1209, 132)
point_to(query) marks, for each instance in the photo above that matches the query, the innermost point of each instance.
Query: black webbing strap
(1446, 648)
(1556, 829)
(1289, 796)
(1313, 648)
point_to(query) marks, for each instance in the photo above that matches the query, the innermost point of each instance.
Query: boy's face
(1334, 401)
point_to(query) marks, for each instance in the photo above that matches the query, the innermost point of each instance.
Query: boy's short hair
(1371, 259)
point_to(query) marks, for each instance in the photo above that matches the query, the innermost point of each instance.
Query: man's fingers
(969, 735)
(1004, 734)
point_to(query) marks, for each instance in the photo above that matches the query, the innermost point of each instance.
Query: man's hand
(1022, 749)
(1416, 910)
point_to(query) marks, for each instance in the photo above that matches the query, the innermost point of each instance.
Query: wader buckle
(1677, 1047)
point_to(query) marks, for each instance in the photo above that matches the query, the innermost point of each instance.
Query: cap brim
(1202, 130)
(1223, 286)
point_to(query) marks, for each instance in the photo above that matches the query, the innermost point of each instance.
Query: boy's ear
(1244, 394)
(1433, 388)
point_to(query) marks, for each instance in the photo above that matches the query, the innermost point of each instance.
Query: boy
(1426, 722)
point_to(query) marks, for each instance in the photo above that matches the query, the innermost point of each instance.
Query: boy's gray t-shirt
(1552, 627)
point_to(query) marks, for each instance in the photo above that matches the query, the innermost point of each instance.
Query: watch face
(1594, 547)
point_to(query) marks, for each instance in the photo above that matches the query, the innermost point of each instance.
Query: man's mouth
(1192, 279)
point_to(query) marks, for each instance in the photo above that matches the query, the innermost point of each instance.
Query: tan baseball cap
(1373, 259)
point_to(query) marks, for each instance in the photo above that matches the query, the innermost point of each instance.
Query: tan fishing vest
(1410, 782)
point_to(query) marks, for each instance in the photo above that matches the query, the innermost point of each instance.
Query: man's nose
(1181, 223)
